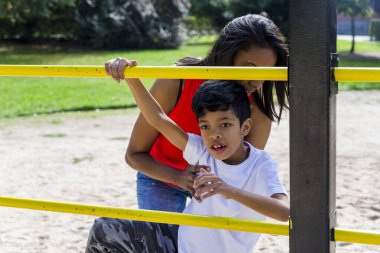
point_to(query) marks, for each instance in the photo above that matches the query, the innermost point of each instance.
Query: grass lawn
(21, 96)
(360, 46)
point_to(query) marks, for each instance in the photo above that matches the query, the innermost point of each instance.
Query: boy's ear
(246, 126)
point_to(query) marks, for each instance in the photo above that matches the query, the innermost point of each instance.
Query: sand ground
(79, 157)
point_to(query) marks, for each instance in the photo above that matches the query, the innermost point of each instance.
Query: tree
(354, 8)
(31, 19)
(96, 23)
(225, 10)
(213, 10)
(131, 24)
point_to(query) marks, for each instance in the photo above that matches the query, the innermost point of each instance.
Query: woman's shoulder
(165, 91)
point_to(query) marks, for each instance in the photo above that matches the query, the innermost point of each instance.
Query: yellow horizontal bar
(222, 73)
(52, 71)
(357, 236)
(348, 74)
(341, 235)
(147, 215)
(342, 74)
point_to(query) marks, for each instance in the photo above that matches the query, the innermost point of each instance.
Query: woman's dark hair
(221, 95)
(240, 34)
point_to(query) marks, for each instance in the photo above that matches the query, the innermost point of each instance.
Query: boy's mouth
(218, 148)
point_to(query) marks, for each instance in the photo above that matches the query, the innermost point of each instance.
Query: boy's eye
(203, 127)
(225, 124)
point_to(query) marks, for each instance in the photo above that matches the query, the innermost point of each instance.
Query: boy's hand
(208, 184)
(115, 67)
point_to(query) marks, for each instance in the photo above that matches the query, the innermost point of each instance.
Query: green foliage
(129, 24)
(95, 23)
(222, 11)
(374, 29)
(198, 26)
(34, 19)
(354, 8)
(214, 10)
(277, 10)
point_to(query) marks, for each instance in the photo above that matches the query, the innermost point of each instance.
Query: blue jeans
(156, 195)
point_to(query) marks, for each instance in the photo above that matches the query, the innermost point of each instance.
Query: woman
(247, 41)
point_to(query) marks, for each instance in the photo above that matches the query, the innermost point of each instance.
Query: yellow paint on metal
(146, 215)
(342, 74)
(340, 235)
(290, 223)
(357, 74)
(52, 71)
(357, 236)
(223, 73)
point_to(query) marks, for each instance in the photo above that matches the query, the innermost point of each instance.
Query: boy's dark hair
(218, 95)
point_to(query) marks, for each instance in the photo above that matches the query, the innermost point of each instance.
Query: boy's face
(223, 136)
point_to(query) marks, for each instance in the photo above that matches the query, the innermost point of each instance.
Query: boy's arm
(276, 206)
(154, 114)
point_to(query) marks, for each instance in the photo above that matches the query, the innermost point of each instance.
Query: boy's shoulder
(194, 148)
(261, 156)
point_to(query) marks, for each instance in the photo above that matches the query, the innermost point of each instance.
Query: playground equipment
(338, 234)
(341, 74)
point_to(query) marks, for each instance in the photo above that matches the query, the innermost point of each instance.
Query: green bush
(130, 24)
(198, 26)
(96, 23)
(26, 20)
(374, 29)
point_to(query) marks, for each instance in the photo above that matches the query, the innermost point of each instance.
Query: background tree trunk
(352, 50)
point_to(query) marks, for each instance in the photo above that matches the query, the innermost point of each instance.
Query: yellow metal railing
(348, 74)
(356, 236)
(342, 235)
(146, 215)
(342, 74)
(229, 73)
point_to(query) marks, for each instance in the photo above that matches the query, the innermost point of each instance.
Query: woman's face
(254, 56)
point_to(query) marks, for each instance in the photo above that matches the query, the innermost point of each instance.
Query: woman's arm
(260, 130)
(143, 136)
(154, 114)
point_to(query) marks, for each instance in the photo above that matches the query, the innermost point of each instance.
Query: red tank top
(162, 150)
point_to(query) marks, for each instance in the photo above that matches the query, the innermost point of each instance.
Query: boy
(242, 182)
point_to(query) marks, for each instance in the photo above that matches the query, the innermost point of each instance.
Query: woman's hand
(186, 178)
(208, 184)
(115, 67)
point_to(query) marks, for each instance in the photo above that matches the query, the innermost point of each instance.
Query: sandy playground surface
(79, 157)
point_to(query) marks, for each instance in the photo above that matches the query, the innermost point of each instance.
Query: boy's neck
(241, 154)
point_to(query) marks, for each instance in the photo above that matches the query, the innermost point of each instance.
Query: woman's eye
(203, 127)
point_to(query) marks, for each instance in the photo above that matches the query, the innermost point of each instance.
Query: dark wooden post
(312, 41)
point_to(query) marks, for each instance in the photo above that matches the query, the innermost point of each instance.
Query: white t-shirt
(257, 174)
